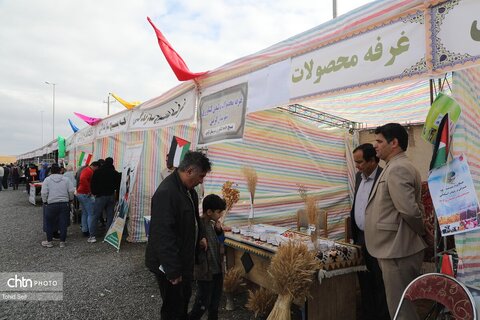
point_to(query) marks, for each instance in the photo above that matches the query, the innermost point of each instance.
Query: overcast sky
(89, 48)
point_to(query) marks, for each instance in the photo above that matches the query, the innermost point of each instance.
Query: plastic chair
(443, 289)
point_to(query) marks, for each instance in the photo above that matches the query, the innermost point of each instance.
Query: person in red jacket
(85, 197)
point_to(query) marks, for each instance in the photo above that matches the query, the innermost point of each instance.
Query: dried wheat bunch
(302, 191)
(251, 176)
(260, 301)
(292, 269)
(232, 280)
(230, 194)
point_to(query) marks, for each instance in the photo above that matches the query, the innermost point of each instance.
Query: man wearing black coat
(105, 181)
(374, 303)
(176, 234)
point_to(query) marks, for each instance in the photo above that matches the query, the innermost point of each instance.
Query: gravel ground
(99, 283)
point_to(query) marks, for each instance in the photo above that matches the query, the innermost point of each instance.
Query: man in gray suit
(374, 303)
(393, 217)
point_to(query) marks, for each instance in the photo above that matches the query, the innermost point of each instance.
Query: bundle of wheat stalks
(231, 196)
(260, 301)
(251, 176)
(232, 280)
(291, 270)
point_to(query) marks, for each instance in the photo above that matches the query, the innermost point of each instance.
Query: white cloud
(90, 48)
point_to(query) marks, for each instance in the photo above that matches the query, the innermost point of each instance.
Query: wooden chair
(443, 289)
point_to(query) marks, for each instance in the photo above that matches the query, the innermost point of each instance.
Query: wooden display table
(333, 296)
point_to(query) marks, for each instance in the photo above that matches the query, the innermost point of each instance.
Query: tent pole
(435, 221)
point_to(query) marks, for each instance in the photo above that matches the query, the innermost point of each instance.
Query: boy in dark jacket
(208, 270)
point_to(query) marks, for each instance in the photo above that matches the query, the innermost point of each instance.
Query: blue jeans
(101, 202)
(57, 213)
(86, 203)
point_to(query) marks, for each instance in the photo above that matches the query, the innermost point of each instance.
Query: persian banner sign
(455, 34)
(454, 197)
(113, 125)
(222, 114)
(179, 109)
(392, 51)
(133, 154)
(86, 135)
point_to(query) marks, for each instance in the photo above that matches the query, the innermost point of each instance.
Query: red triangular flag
(176, 62)
(447, 265)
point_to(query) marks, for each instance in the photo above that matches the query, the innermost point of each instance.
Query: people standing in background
(105, 181)
(86, 198)
(6, 173)
(374, 303)
(57, 192)
(43, 172)
(70, 175)
(394, 218)
(15, 176)
(2, 173)
(176, 234)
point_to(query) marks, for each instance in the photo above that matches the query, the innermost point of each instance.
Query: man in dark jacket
(105, 181)
(176, 234)
(374, 303)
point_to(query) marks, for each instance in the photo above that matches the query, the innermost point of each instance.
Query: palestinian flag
(442, 144)
(85, 159)
(178, 149)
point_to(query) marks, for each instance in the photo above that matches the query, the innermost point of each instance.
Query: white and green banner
(133, 154)
(392, 51)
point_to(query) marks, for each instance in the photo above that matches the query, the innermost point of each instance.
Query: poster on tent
(177, 110)
(387, 52)
(112, 125)
(454, 197)
(133, 154)
(455, 34)
(222, 115)
(442, 105)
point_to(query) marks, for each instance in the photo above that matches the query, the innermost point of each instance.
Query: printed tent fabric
(466, 140)
(286, 152)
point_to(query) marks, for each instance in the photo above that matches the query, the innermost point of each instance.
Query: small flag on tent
(61, 146)
(447, 265)
(89, 120)
(178, 149)
(442, 144)
(176, 62)
(74, 127)
(84, 159)
(126, 104)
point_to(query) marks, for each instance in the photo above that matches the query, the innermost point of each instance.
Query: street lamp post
(53, 114)
(108, 103)
(41, 118)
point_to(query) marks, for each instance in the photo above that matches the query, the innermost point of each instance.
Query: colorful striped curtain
(466, 140)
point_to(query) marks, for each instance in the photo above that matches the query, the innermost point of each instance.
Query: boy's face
(214, 215)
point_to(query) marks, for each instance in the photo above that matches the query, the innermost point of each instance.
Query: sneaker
(91, 240)
(47, 244)
(62, 244)
(86, 234)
